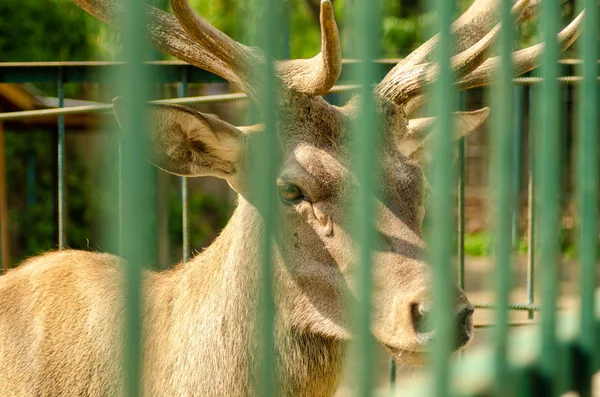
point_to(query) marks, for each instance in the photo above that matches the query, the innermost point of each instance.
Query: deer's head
(316, 255)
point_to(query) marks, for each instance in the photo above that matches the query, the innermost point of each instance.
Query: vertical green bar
(185, 224)
(266, 164)
(366, 137)
(62, 242)
(502, 151)
(548, 124)
(518, 113)
(461, 200)
(587, 188)
(531, 209)
(136, 174)
(441, 205)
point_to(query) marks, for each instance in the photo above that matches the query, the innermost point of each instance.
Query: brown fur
(61, 314)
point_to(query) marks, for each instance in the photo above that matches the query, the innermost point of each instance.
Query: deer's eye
(289, 193)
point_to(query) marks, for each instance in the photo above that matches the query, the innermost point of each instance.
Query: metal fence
(559, 356)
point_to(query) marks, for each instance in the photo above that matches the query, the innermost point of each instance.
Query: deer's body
(62, 314)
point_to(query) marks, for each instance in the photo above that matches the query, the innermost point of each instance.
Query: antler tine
(524, 60)
(317, 75)
(409, 82)
(239, 59)
(469, 28)
(190, 38)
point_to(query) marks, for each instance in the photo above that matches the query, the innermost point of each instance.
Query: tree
(51, 30)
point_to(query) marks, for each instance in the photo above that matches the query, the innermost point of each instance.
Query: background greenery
(57, 30)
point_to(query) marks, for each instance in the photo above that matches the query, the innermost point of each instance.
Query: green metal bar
(531, 208)
(393, 370)
(170, 71)
(62, 241)
(461, 200)
(266, 164)
(442, 184)
(501, 170)
(587, 193)
(515, 306)
(548, 124)
(366, 140)
(185, 224)
(136, 190)
(518, 115)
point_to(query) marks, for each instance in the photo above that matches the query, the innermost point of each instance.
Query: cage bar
(366, 142)
(136, 190)
(4, 242)
(62, 238)
(548, 125)
(518, 115)
(442, 183)
(460, 236)
(531, 206)
(266, 165)
(587, 195)
(501, 190)
(182, 89)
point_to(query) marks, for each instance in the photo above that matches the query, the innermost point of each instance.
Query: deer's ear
(414, 143)
(188, 143)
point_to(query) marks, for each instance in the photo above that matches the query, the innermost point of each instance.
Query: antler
(167, 35)
(240, 60)
(523, 60)
(190, 38)
(317, 75)
(405, 83)
(470, 27)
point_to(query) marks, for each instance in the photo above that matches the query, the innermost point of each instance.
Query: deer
(62, 313)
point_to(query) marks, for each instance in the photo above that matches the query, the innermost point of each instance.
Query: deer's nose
(424, 326)
(464, 323)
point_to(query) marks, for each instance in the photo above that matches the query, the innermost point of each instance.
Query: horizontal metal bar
(515, 306)
(515, 323)
(163, 71)
(565, 80)
(107, 107)
(219, 98)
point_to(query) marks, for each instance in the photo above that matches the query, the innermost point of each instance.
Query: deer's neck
(214, 302)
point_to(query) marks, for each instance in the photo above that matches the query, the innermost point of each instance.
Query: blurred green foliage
(481, 244)
(49, 30)
(32, 195)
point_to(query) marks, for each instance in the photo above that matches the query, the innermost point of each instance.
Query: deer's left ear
(414, 143)
(185, 142)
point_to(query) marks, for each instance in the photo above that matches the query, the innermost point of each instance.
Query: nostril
(421, 320)
(464, 324)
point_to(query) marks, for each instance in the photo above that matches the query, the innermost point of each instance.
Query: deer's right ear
(188, 143)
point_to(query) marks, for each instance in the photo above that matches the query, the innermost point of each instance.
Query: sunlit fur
(61, 314)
